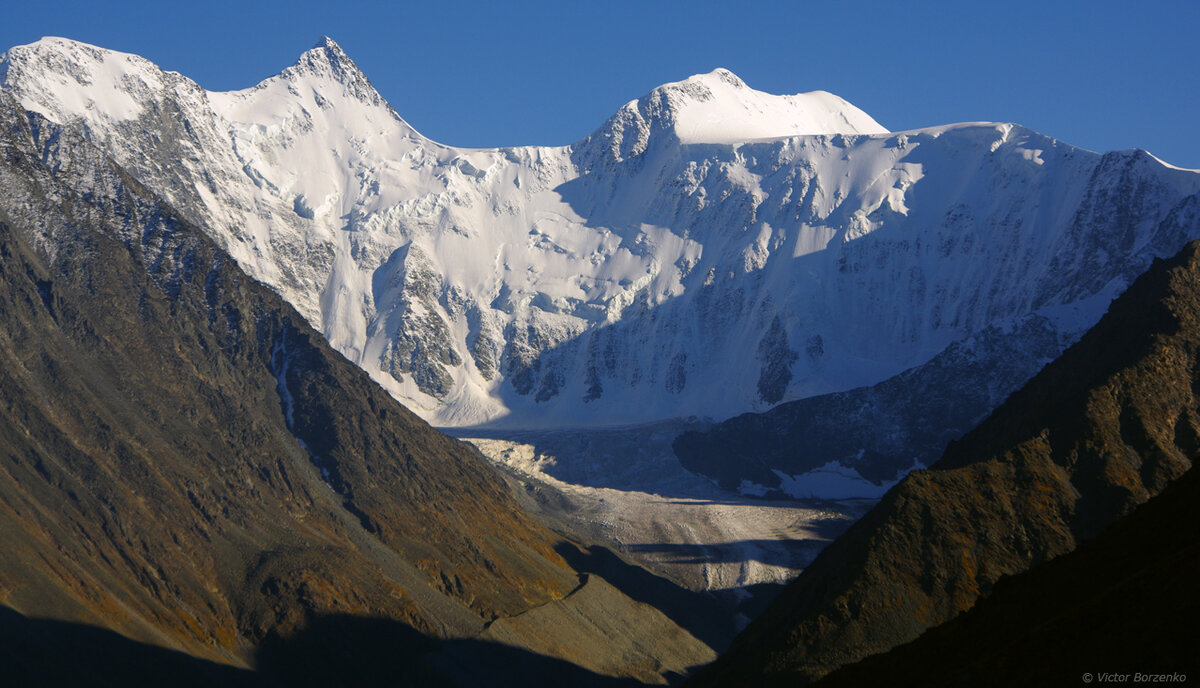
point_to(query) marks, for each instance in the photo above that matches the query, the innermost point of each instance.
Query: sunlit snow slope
(710, 250)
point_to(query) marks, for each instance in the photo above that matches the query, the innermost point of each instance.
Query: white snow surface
(709, 250)
(720, 108)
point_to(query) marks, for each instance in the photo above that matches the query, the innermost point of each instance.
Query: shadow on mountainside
(789, 553)
(1122, 603)
(44, 652)
(332, 650)
(709, 616)
(700, 613)
(354, 651)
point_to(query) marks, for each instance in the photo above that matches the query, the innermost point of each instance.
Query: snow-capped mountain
(710, 250)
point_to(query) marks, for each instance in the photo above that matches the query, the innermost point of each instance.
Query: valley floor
(623, 488)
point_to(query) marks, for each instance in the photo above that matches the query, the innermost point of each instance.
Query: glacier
(707, 251)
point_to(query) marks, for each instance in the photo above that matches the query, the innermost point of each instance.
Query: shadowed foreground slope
(334, 650)
(1099, 431)
(185, 462)
(1123, 603)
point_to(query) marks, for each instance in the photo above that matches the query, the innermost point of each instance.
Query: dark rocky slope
(1097, 432)
(185, 462)
(1123, 603)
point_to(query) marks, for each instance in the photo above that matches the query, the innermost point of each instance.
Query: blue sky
(1102, 75)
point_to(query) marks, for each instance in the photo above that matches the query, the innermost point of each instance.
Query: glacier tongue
(707, 251)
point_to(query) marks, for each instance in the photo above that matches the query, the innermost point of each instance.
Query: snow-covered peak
(327, 61)
(65, 79)
(330, 45)
(719, 76)
(319, 135)
(719, 108)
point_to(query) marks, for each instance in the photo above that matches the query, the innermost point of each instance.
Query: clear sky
(1102, 74)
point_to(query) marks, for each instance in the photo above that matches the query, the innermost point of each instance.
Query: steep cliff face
(710, 250)
(188, 463)
(1097, 432)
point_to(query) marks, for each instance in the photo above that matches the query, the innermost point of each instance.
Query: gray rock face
(777, 360)
(418, 340)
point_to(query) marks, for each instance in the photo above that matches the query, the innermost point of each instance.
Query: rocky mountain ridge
(1119, 604)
